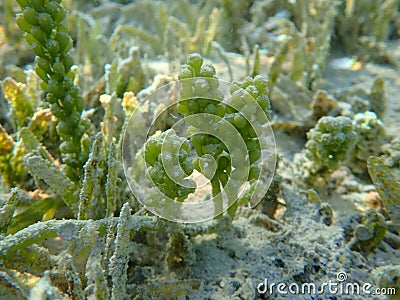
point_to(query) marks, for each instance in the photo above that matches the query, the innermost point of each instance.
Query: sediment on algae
(72, 73)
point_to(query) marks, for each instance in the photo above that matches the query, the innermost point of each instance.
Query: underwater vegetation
(72, 74)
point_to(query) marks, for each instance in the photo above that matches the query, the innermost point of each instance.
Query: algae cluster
(72, 73)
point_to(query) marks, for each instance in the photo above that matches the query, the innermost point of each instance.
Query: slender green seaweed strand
(41, 20)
